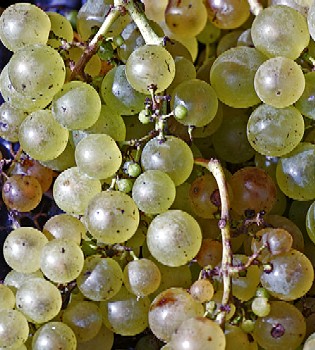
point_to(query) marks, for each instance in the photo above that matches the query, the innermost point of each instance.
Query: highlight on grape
(157, 175)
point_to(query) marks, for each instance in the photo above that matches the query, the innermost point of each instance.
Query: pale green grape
(61, 29)
(7, 297)
(14, 329)
(310, 222)
(77, 105)
(125, 313)
(10, 121)
(169, 309)
(232, 76)
(311, 19)
(150, 65)
(228, 41)
(279, 82)
(261, 306)
(61, 260)
(15, 279)
(73, 190)
(104, 340)
(210, 34)
(236, 338)
(117, 91)
(84, 318)
(153, 192)
(302, 6)
(174, 238)
(202, 290)
(37, 71)
(280, 31)
(178, 49)
(210, 128)
(54, 335)
(42, 137)
(296, 174)
(291, 276)
(283, 328)
(64, 226)
(64, 161)
(200, 100)
(100, 279)
(98, 156)
(173, 156)
(135, 129)
(142, 277)
(22, 249)
(112, 217)
(39, 300)
(245, 39)
(23, 24)
(274, 132)
(305, 104)
(198, 333)
(190, 44)
(310, 342)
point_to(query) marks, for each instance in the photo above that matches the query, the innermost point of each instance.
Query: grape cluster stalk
(157, 175)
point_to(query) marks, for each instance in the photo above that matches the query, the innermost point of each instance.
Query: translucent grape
(54, 335)
(309, 343)
(22, 193)
(210, 253)
(280, 31)
(174, 238)
(42, 137)
(311, 19)
(245, 39)
(73, 190)
(232, 76)
(93, 67)
(100, 279)
(150, 65)
(15, 279)
(23, 24)
(228, 41)
(310, 222)
(236, 338)
(22, 249)
(39, 300)
(112, 217)
(210, 34)
(279, 82)
(10, 121)
(77, 105)
(275, 132)
(7, 297)
(64, 161)
(202, 290)
(295, 173)
(153, 192)
(305, 104)
(104, 340)
(261, 306)
(61, 29)
(155, 11)
(36, 71)
(173, 156)
(98, 156)
(302, 6)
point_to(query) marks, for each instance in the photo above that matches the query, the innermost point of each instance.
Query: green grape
(310, 342)
(297, 214)
(228, 14)
(54, 335)
(42, 137)
(37, 71)
(7, 297)
(280, 31)
(10, 121)
(93, 66)
(261, 306)
(64, 161)
(142, 277)
(232, 76)
(178, 49)
(150, 65)
(100, 279)
(228, 41)
(236, 338)
(274, 80)
(169, 309)
(61, 29)
(305, 104)
(153, 192)
(73, 190)
(185, 18)
(125, 313)
(310, 222)
(283, 328)
(15, 279)
(302, 6)
(104, 340)
(16, 99)
(210, 253)
(109, 122)
(61, 260)
(210, 34)
(291, 276)
(21, 192)
(202, 290)
(23, 24)
(174, 238)
(98, 156)
(275, 132)
(64, 226)
(295, 173)
(173, 156)
(199, 99)
(112, 217)
(311, 19)
(39, 300)
(76, 106)
(155, 10)
(22, 249)
(117, 91)
(245, 39)
(210, 128)
(84, 318)
(124, 185)
(148, 342)
(14, 329)
(133, 169)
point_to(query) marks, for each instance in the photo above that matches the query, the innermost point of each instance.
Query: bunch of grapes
(158, 176)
